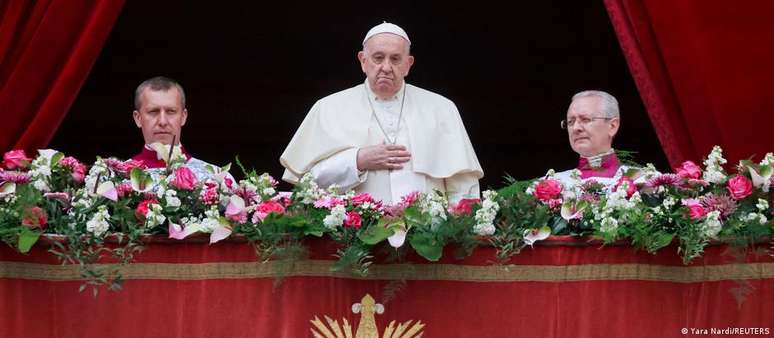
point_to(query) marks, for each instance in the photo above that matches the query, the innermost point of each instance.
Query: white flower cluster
(82, 199)
(714, 171)
(208, 223)
(98, 224)
(486, 215)
(155, 216)
(712, 224)
(170, 197)
(616, 201)
(762, 204)
(755, 217)
(40, 171)
(435, 205)
(336, 217)
(309, 191)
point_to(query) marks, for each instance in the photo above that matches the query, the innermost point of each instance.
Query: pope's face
(385, 61)
(591, 133)
(161, 115)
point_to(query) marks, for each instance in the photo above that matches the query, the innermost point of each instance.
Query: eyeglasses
(583, 121)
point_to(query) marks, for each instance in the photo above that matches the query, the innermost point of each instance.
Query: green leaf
(427, 246)
(375, 233)
(27, 238)
(56, 158)
(660, 240)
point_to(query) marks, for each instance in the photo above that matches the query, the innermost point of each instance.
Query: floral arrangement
(123, 200)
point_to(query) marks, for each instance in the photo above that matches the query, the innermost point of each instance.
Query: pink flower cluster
(76, 168)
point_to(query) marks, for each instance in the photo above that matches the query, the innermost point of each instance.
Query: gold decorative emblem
(367, 326)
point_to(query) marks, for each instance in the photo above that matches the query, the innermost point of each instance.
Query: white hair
(608, 104)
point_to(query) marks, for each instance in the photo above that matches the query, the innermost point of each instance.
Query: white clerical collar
(394, 97)
(596, 160)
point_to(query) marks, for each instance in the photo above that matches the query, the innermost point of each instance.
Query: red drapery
(47, 48)
(562, 288)
(703, 69)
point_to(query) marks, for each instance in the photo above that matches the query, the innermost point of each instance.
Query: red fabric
(253, 307)
(703, 69)
(151, 160)
(608, 167)
(47, 48)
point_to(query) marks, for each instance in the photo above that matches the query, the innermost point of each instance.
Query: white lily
(533, 235)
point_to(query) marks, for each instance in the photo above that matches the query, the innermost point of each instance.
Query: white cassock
(337, 126)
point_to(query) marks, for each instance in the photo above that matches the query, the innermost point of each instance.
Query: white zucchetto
(386, 27)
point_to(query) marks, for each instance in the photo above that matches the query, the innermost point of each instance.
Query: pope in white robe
(385, 137)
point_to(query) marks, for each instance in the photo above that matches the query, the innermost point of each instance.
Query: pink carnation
(739, 187)
(353, 220)
(16, 159)
(210, 195)
(77, 169)
(547, 189)
(34, 217)
(142, 209)
(328, 202)
(362, 198)
(689, 170)
(409, 199)
(464, 207)
(184, 179)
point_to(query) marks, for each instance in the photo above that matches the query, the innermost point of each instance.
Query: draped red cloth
(47, 48)
(561, 288)
(703, 69)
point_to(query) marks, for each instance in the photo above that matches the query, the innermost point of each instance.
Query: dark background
(251, 71)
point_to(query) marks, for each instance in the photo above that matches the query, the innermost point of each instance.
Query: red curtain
(47, 48)
(703, 70)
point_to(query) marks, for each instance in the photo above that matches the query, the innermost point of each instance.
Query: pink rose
(631, 188)
(16, 159)
(184, 179)
(547, 190)
(739, 187)
(34, 217)
(464, 207)
(353, 220)
(689, 170)
(695, 208)
(266, 208)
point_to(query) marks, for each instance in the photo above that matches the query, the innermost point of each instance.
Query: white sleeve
(339, 169)
(462, 186)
